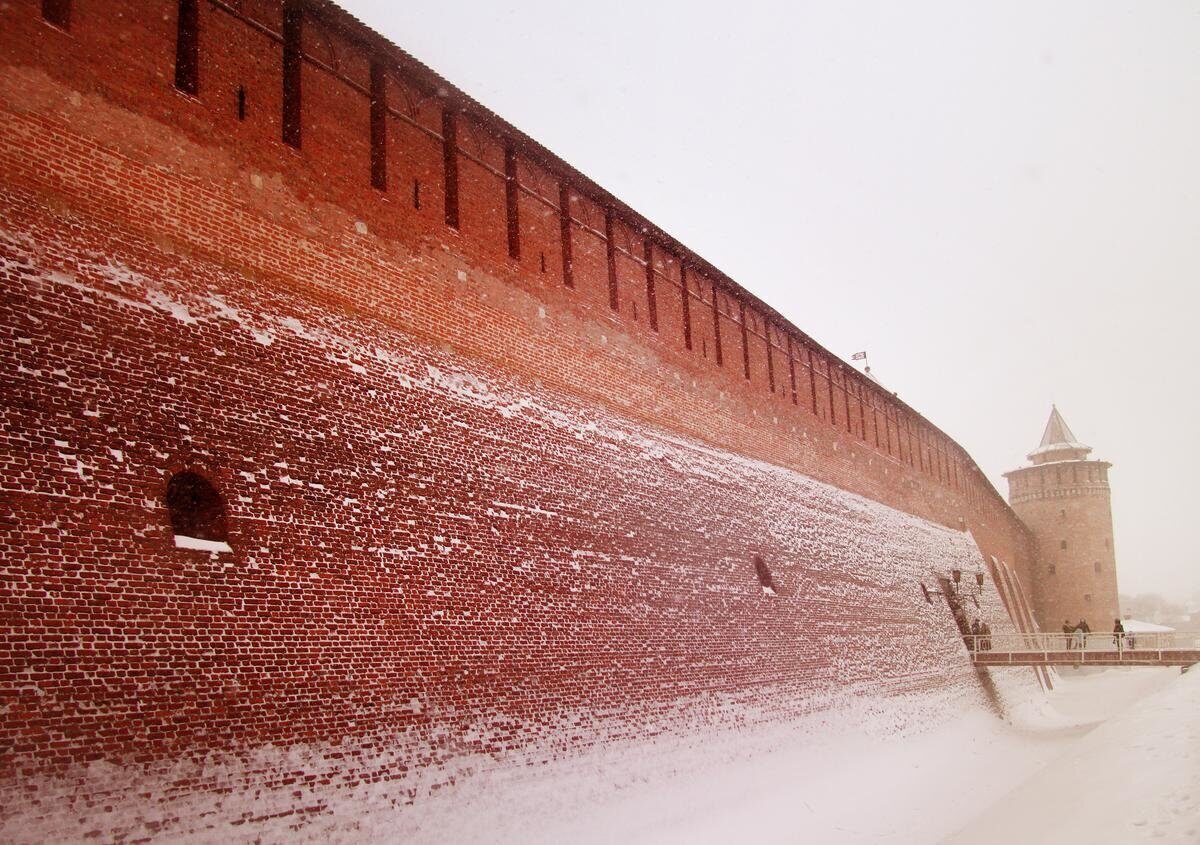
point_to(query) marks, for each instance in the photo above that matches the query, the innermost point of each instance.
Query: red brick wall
(413, 556)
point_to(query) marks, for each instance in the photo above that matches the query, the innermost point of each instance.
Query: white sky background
(1000, 201)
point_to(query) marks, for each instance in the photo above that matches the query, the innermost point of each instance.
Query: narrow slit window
(241, 102)
(611, 247)
(187, 47)
(686, 305)
(378, 127)
(770, 358)
(293, 22)
(651, 298)
(512, 203)
(564, 226)
(450, 166)
(745, 340)
(197, 513)
(417, 194)
(716, 311)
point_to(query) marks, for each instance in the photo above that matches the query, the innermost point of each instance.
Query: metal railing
(1097, 645)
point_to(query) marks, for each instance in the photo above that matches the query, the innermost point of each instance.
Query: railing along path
(1100, 648)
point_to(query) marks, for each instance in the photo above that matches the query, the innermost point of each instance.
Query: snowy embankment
(835, 779)
(1134, 778)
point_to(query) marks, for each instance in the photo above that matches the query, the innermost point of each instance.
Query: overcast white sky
(1000, 201)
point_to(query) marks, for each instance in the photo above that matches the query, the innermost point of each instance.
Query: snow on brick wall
(437, 570)
(477, 519)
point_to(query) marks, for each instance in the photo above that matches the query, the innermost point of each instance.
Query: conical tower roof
(1058, 442)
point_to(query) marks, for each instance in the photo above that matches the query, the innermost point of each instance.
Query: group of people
(1077, 635)
(981, 636)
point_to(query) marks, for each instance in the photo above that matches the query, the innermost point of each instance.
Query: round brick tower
(1064, 500)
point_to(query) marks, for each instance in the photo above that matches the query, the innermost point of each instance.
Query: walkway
(1177, 648)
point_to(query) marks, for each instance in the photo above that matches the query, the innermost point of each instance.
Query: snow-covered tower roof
(1058, 442)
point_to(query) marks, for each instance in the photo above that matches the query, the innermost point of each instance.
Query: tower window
(1051, 569)
(1063, 545)
(1087, 597)
(197, 513)
(1063, 513)
(764, 576)
(1097, 567)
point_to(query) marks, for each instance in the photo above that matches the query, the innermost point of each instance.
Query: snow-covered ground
(1051, 774)
(1134, 778)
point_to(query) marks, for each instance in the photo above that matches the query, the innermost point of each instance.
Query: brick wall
(468, 503)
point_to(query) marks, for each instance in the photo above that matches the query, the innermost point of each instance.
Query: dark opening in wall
(1063, 545)
(197, 513)
(745, 340)
(686, 305)
(57, 12)
(1097, 567)
(764, 576)
(241, 102)
(1052, 569)
(450, 166)
(293, 23)
(417, 194)
(1087, 597)
(651, 296)
(378, 127)
(564, 230)
(512, 203)
(187, 47)
(542, 261)
(716, 312)
(611, 250)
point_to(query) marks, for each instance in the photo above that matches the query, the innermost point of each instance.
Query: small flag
(859, 356)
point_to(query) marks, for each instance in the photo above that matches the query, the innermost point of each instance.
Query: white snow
(1135, 778)
(850, 777)
(182, 541)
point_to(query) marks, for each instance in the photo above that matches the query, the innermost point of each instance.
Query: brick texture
(473, 510)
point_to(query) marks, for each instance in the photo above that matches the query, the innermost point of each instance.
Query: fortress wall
(96, 123)
(477, 513)
(439, 569)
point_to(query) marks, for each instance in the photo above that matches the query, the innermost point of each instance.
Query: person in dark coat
(975, 632)
(1118, 634)
(985, 630)
(1084, 631)
(1068, 632)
